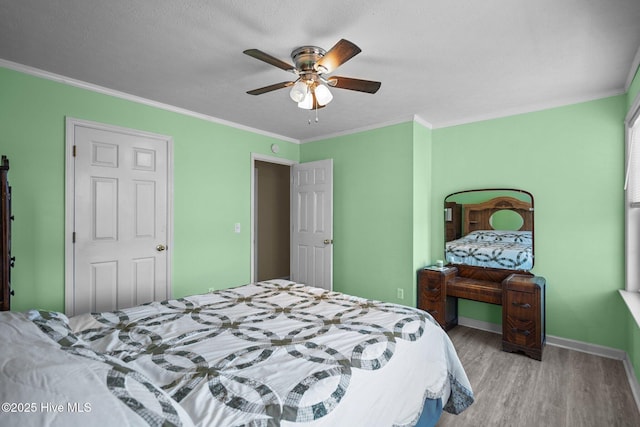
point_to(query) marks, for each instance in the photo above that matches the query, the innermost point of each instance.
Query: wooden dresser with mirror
(6, 261)
(489, 255)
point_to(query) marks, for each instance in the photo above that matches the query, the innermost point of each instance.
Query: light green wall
(571, 159)
(422, 187)
(212, 165)
(389, 187)
(373, 211)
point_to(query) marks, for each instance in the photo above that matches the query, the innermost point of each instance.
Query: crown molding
(528, 109)
(358, 130)
(418, 119)
(632, 72)
(133, 98)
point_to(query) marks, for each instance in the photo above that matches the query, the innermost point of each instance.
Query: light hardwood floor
(568, 388)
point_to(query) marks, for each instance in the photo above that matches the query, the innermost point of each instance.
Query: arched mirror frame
(455, 221)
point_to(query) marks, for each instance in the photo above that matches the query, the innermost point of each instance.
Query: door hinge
(73, 237)
(74, 151)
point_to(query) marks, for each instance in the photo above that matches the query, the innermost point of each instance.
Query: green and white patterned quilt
(268, 354)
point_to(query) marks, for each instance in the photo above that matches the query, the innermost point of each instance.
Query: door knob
(328, 241)
(160, 248)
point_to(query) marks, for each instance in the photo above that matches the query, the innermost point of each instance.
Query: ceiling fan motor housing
(305, 58)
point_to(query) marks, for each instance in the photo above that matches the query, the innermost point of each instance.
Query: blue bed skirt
(430, 413)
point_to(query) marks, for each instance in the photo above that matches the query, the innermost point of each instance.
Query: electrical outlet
(400, 293)
(212, 290)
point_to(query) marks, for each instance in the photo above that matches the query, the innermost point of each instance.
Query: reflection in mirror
(506, 219)
(490, 228)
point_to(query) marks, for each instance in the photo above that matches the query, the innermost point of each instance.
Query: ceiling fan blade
(340, 53)
(368, 86)
(269, 88)
(258, 54)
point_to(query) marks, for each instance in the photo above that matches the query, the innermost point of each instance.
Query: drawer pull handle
(433, 289)
(518, 304)
(524, 332)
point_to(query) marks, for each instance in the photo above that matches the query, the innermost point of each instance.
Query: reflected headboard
(478, 216)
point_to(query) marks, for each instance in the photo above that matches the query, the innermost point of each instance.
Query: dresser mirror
(490, 228)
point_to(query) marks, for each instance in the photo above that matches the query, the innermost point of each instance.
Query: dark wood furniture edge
(6, 261)
(534, 353)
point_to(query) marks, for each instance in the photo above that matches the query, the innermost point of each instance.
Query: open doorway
(271, 219)
(308, 189)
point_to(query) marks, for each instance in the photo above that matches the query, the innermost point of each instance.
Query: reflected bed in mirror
(490, 228)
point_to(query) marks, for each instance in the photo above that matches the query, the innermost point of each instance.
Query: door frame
(69, 202)
(269, 159)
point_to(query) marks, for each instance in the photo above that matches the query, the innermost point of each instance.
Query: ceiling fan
(312, 64)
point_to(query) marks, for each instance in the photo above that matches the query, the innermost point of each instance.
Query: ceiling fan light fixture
(307, 102)
(299, 91)
(323, 94)
(310, 89)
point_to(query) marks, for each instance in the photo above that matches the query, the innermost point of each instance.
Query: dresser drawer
(520, 332)
(431, 292)
(521, 305)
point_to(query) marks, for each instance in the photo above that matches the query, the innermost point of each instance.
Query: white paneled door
(312, 223)
(120, 218)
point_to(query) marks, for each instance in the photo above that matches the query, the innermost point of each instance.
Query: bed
(272, 353)
(484, 246)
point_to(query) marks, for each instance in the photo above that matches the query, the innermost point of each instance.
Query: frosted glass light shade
(323, 95)
(307, 102)
(299, 91)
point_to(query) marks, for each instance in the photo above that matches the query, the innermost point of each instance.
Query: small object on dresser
(436, 267)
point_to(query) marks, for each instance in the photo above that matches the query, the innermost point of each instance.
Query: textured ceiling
(447, 62)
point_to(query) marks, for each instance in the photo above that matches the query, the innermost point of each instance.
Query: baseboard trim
(584, 347)
(479, 324)
(633, 380)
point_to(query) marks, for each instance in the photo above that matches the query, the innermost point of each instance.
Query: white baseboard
(633, 380)
(479, 324)
(584, 347)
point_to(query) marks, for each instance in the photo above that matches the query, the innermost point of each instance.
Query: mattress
(267, 354)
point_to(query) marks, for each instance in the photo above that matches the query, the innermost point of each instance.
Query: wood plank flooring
(568, 388)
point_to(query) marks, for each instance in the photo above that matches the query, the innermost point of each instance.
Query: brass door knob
(328, 241)
(160, 248)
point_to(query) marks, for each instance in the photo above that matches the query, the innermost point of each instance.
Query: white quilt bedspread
(268, 354)
(512, 250)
